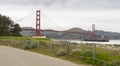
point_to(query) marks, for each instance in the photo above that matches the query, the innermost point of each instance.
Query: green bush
(116, 62)
(86, 51)
(61, 52)
(77, 50)
(30, 45)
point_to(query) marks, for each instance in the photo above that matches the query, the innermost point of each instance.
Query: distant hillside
(64, 35)
(75, 30)
(27, 32)
(110, 35)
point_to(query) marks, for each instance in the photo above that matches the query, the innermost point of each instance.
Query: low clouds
(66, 13)
(79, 4)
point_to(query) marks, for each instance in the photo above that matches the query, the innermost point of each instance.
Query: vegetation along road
(16, 57)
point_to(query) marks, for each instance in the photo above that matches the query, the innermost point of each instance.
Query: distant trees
(16, 30)
(8, 27)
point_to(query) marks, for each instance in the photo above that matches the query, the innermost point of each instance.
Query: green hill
(64, 35)
(75, 30)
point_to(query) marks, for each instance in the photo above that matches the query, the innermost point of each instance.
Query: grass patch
(13, 37)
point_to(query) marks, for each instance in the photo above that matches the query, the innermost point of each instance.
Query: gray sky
(65, 14)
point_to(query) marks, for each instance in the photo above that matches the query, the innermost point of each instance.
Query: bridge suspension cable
(21, 19)
(52, 22)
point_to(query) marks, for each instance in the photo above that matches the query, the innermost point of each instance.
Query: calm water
(110, 42)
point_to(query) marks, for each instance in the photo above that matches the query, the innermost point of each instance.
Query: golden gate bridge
(38, 29)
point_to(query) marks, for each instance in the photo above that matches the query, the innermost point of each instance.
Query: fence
(95, 54)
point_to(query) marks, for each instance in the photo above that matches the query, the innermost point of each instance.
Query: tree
(16, 30)
(7, 27)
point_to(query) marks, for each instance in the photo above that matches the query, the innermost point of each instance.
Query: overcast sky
(65, 14)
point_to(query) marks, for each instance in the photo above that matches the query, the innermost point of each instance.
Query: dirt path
(16, 57)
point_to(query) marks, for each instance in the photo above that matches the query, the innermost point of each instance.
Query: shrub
(61, 52)
(76, 50)
(117, 62)
(87, 51)
(30, 45)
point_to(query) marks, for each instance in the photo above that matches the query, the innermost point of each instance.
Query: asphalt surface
(16, 57)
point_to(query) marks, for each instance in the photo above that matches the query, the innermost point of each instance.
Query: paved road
(16, 57)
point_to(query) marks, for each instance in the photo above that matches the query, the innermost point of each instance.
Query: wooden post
(51, 46)
(94, 51)
(38, 44)
(67, 47)
(81, 41)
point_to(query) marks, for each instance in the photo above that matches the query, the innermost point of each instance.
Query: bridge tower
(93, 29)
(93, 32)
(38, 23)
